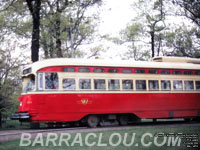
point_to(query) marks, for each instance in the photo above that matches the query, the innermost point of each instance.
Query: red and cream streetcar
(97, 91)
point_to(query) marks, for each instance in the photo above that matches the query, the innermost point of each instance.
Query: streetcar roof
(36, 66)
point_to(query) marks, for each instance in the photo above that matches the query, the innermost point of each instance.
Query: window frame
(170, 84)
(114, 89)
(137, 80)
(152, 71)
(84, 70)
(186, 84)
(197, 89)
(188, 72)
(150, 89)
(99, 89)
(74, 84)
(68, 69)
(40, 81)
(165, 72)
(177, 72)
(182, 88)
(102, 70)
(132, 86)
(197, 72)
(57, 86)
(113, 70)
(140, 71)
(127, 71)
(90, 83)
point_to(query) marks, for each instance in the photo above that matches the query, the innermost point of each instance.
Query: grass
(15, 124)
(106, 136)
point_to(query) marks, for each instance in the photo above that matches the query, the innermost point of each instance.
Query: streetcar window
(187, 72)
(139, 71)
(98, 70)
(84, 70)
(127, 71)
(68, 69)
(30, 86)
(153, 71)
(189, 85)
(127, 84)
(51, 81)
(140, 84)
(69, 84)
(40, 81)
(153, 85)
(164, 72)
(99, 84)
(197, 85)
(165, 85)
(85, 84)
(113, 70)
(178, 85)
(197, 72)
(113, 84)
(26, 71)
(176, 72)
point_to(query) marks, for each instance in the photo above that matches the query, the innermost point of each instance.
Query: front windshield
(30, 86)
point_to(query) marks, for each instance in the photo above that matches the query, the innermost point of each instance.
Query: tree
(146, 29)
(153, 17)
(131, 36)
(9, 83)
(34, 7)
(191, 9)
(58, 26)
(65, 26)
(183, 42)
(190, 36)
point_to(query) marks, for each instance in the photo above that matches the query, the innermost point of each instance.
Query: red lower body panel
(73, 107)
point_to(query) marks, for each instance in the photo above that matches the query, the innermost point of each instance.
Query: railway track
(16, 134)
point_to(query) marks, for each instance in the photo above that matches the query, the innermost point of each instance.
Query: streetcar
(98, 91)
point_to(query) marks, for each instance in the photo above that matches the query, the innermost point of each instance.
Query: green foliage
(132, 32)
(55, 24)
(183, 42)
(10, 81)
(137, 53)
(187, 41)
(152, 24)
(190, 9)
(16, 18)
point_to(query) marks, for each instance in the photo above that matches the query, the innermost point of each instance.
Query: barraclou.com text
(97, 139)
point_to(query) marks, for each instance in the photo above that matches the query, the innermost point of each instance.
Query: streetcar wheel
(187, 119)
(92, 121)
(123, 120)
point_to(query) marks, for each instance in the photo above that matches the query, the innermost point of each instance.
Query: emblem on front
(84, 101)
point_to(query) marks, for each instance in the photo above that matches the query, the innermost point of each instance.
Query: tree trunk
(152, 43)
(58, 40)
(159, 45)
(35, 40)
(34, 7)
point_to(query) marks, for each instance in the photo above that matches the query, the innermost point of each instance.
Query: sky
(115, 15)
